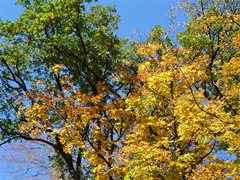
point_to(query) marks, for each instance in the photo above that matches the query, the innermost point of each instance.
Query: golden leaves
(166, 125)
(231, 69)
(172, 109)
(236, 40)
(148, 49)
(57, 68)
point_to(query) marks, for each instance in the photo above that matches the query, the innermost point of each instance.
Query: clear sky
(141, 15)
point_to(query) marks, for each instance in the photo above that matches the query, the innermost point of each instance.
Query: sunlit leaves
(149, 110)
(187, 100)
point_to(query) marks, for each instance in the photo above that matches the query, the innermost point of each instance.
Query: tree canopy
(115, 109)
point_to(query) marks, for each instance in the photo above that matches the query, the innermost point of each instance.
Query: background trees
(112, 110)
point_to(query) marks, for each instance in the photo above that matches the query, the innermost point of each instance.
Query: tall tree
(47, 36)
(146, 110)
(186, 100)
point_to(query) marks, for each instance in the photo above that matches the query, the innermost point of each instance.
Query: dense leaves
(116, 110)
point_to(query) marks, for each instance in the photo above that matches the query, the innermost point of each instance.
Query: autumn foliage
(117, 110)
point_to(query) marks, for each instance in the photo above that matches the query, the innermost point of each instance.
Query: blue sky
(141, 15)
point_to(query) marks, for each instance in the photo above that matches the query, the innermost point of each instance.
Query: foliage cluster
(113, 109)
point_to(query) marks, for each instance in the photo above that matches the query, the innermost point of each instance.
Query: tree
(47, 34)
(186, 100)
(111, 110)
